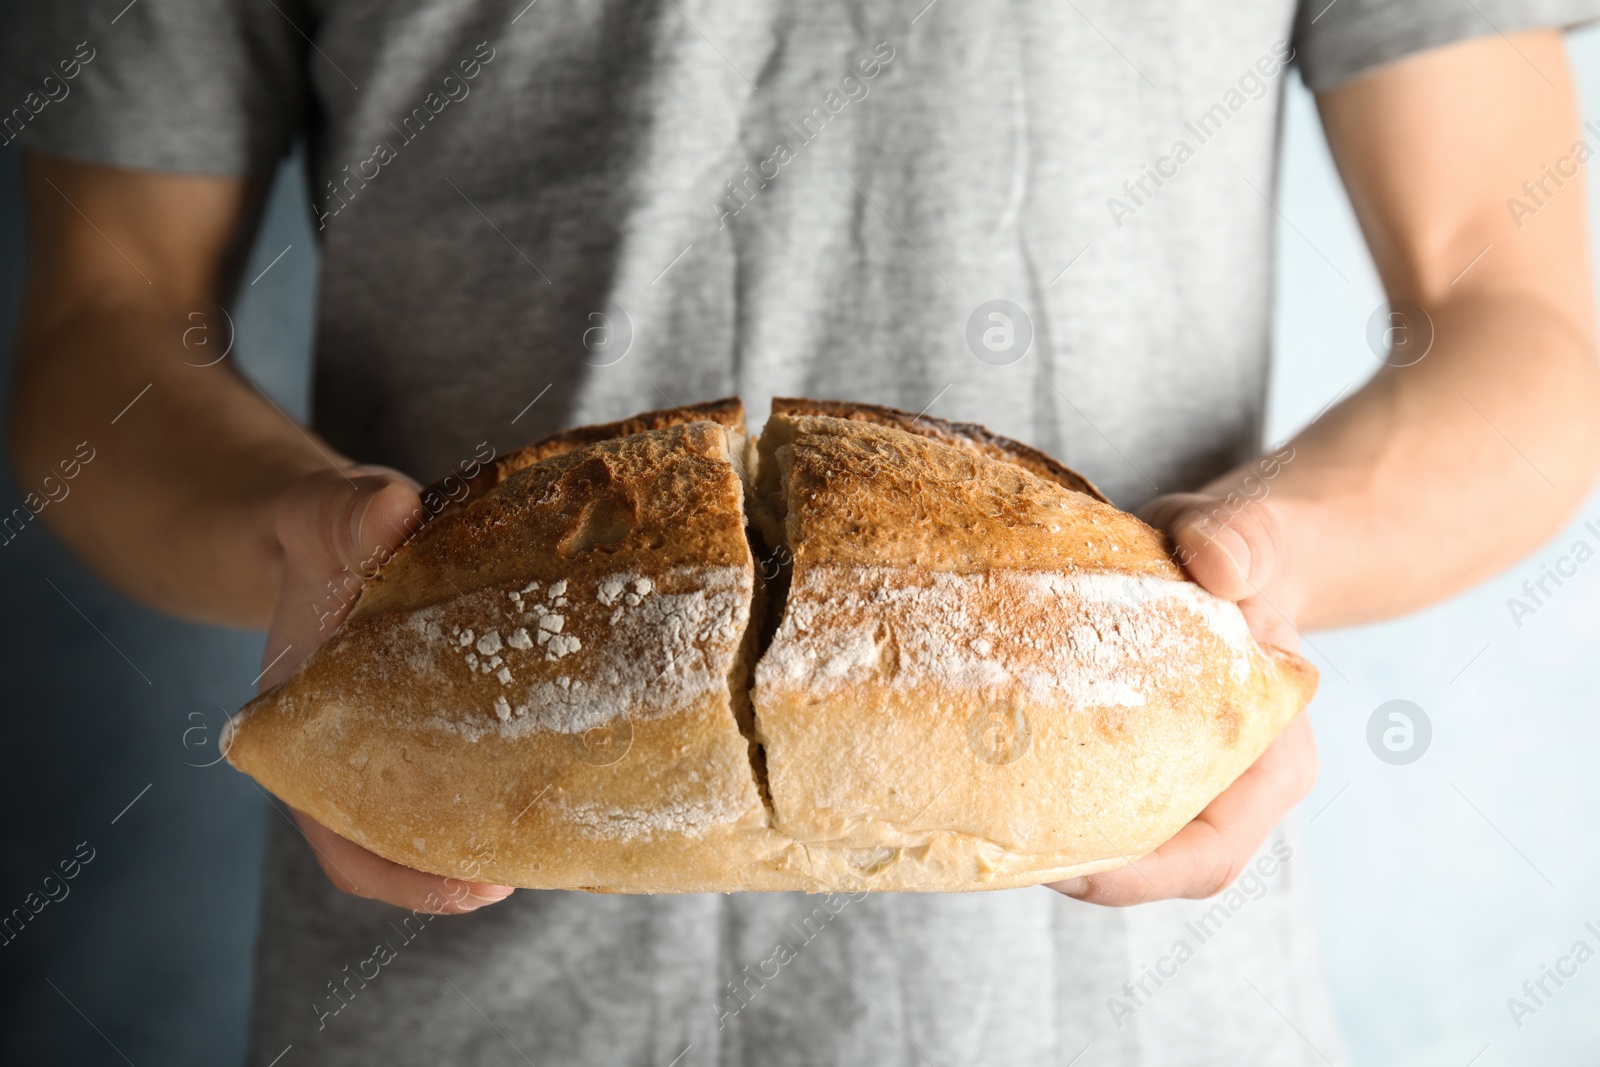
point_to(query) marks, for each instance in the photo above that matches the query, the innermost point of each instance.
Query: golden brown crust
(452, 491)
(874, 494)
(982, 678)
(968, 436)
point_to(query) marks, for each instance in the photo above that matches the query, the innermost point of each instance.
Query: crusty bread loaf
(979, 675)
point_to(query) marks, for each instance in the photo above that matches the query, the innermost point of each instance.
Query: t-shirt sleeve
(199, 86)
(1337, 41)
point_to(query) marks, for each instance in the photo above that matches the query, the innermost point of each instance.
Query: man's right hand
(334, 528)
(204, 500)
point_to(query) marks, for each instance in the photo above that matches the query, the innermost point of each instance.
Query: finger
(334, 520)
(358, 872)
(1203, 528)
(1206, 856)
(336, 529)
(1268, 625)
(1229, 548)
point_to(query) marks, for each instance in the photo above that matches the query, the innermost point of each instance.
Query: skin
(206, 501)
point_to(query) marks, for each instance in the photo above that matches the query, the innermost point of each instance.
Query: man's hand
(1492, 431)
(334, 528)
(206, 500)
(1233, 551)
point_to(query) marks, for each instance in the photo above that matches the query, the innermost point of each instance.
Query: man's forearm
(1436, 475)
(1441, 472)
(177, 507)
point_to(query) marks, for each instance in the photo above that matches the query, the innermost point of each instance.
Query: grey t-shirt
(1052, 218)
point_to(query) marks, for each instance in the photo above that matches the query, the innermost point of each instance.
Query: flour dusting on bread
(663, 816)
(647, 652)
(1098, 639)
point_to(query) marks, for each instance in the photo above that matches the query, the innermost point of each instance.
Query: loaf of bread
(867, 651)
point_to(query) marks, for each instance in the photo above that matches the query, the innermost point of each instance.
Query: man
(1051, 218)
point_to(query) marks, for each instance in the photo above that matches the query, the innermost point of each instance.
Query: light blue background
(1441, 885)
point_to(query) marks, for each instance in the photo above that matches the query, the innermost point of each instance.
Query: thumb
(1228, 546)
(352, 519)
(335, 528)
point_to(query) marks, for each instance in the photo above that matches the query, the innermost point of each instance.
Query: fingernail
(1072, 887)
(358, 515)
(489, 894)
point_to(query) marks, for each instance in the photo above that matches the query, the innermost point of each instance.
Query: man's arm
(1432, 476)
(176, 509)
(202, 498)
(1438, 475)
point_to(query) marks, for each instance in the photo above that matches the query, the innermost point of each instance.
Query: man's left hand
(1232, 552)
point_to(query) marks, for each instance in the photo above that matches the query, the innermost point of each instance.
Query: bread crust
(967, 436)
(982, 677)
(727, 412)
